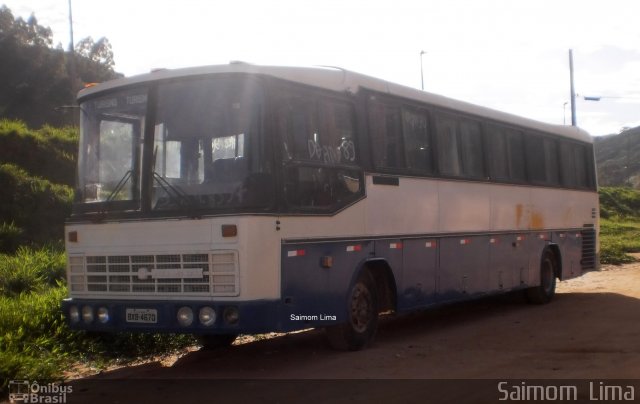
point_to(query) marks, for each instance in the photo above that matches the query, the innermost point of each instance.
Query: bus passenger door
(418, 284)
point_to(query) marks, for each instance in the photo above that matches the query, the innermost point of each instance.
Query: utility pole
(72, 65)
(573, 92)
(422, 70)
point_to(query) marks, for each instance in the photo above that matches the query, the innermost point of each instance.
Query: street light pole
(422, 69)
(573, 92)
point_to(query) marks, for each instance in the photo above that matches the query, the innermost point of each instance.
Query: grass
(10, 237)
(31, 271)
(33, 205)
(617, 239)
(49, 153)
(619, 224)
(35, 341)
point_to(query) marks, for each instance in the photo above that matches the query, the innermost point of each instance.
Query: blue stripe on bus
(427, 271)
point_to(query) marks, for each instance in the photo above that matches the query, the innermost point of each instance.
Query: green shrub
(33, 204)
(11, 236)
(36, 343)
(617, 238)
(34, 339)
(49, 153)
(619, 202)
(31, 270)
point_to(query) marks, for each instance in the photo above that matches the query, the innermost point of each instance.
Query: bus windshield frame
(189, 146)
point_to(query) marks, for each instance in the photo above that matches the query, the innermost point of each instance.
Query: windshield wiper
(120, 185)
(102, 213)
(175, 194)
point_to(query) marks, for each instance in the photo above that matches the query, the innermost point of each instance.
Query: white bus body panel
(257, 245)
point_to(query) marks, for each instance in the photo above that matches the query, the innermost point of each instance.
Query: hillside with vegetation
(36, 175)
(618, 159)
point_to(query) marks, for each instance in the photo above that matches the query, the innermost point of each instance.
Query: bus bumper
(192, 317)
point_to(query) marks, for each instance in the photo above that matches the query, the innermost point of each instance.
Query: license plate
(147, 316)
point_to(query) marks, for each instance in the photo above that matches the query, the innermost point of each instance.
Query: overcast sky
(508, 55)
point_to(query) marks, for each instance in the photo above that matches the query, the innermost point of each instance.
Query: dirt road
(590, 331)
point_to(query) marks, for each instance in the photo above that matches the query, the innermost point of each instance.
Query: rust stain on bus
(519, 213)
(537, 221)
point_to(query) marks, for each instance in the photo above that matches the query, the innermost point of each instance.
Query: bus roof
(337, 79)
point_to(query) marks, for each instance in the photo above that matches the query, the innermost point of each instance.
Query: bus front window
(110, 145)
(208, 146)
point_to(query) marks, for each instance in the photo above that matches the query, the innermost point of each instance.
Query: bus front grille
(199, 274)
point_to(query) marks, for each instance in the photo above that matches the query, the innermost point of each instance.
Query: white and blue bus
(242, 199)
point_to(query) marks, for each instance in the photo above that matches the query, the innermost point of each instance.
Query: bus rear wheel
(543, 293)
(362, 317)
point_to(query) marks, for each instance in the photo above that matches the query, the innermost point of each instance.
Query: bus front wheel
(362, 313)
(544, 292)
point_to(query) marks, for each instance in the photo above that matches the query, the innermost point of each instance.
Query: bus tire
(362, 317)
(215, 341)
(543, 293)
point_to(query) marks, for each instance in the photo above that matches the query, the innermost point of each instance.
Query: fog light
(185, 316)
(207, 316)
(87, 314)
(231, 315)
(103, 315)
(74, 314)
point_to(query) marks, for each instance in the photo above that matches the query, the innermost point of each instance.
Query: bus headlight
(87, 314)
(74, 314)
(185, 316)
(103, 315)
(231, 315)
(207, 316)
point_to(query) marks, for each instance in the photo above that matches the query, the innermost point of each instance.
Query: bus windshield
(207, 150)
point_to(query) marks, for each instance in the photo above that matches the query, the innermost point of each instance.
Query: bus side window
(516, 155)
(471, 149)
(448, 153)
(298, 126)
(337, 133)
(417, 142)
(542, 160)
(568, 165)
(551, 161)
(386, 135)
(591, 179)
(497, 153)
(536, 159)
(321, 187)
(580, 157)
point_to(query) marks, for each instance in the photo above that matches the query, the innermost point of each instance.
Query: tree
(95, 60)
(99, 52)
(34, 77)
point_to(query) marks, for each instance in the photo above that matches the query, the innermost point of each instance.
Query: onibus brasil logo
(25, 391)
